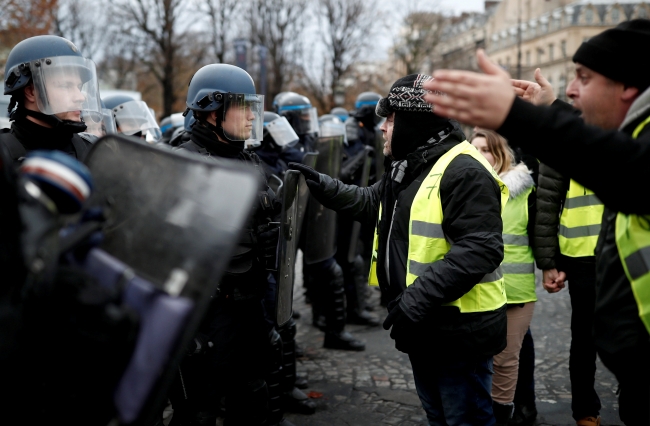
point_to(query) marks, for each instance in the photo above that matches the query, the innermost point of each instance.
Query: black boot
(335, 335)
(502, 412)
(524, 415)
(343, 340)
(357, 295)
(274, 379)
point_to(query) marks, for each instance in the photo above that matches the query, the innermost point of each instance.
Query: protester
(438, 189)
(518, 265)
(606, 150)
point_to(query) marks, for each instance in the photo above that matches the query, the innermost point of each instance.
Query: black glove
(199, 345)
(307, 172)
(395, 313)
(267, 239)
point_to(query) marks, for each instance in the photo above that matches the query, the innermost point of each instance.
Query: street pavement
(376, 387)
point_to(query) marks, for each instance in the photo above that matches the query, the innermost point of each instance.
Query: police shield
(321, 222)
(173, 221)
(288, 246)
(356, 226)
(309, 160)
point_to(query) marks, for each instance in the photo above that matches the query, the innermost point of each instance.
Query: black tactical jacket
(613, 165)
(472, 219)
(245, 277)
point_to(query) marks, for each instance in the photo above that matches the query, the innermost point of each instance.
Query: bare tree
(346, 27)
(155, 25)
(221, 14)
(419, 35)
(77, 20)
(278, 25)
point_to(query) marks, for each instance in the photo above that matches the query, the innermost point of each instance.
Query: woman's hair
(504, 158)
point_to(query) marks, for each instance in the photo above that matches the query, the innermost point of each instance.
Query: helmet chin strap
(222, 134)
(56, 122)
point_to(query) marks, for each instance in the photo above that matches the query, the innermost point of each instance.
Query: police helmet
(299, 112)
(341, 113)
(52, 62)
(133, 117)
(223, 86)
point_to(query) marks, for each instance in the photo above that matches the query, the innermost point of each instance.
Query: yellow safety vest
(633, 243)
(518, 262)
(580, 221)
(427, 242)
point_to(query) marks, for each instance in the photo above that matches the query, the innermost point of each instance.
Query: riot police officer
(301, 115)
(323, 276)
(341, 113)
(50, 84)
(228, 112)
(362, 124)
(278, 147)
(133, 117)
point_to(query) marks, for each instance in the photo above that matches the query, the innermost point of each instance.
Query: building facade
(522, 35)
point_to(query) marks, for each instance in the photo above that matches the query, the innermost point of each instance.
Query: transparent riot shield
(379, 154)
(320, 242)
(309, 160)
(173, 221)
(356, 226)
(288, 246)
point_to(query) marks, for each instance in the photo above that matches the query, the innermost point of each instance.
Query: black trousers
(582, 360)
(632, 370)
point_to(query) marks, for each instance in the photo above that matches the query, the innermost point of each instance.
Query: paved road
(376, 387)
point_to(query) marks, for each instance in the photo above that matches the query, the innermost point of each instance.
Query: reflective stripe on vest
(633, 243)
(427, 242)
(580, 221)
(518, 262)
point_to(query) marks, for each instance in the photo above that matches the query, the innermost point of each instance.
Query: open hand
(540, 93)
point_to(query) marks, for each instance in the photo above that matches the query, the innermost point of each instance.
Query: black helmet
(299, 112)
(341, 113)
(220, 85)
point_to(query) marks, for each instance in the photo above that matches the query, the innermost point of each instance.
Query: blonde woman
(517, 267)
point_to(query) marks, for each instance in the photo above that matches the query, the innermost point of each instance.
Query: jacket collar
(427, 155)
(639, 110)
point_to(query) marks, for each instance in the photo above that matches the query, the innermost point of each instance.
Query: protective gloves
(395, 314)
(312, 177)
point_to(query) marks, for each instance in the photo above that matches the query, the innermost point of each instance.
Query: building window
(544, 27)
(616, 15)
(528, 58)
(642, 11)
(550, 52)
(540, 55)
(589, 16)
(563, 48)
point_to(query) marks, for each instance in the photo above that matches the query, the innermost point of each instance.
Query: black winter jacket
(245, 277)
(551, 193)
(471, 219)
(613, 165)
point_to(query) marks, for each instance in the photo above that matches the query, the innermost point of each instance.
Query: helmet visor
(303, 118)
(100, 124)
(243, 117)
(135, 116)
(333, 128)
(66, 84)
(282, 132)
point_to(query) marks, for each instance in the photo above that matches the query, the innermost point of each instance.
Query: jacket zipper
(387, 254)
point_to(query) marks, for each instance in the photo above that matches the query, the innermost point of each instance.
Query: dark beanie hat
(415, 123)
(617, 53)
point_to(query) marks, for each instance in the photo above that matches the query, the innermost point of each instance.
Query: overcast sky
(458, 6)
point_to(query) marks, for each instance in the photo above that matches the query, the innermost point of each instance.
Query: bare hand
(553, 281)
(540, 93)
(482, 100)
